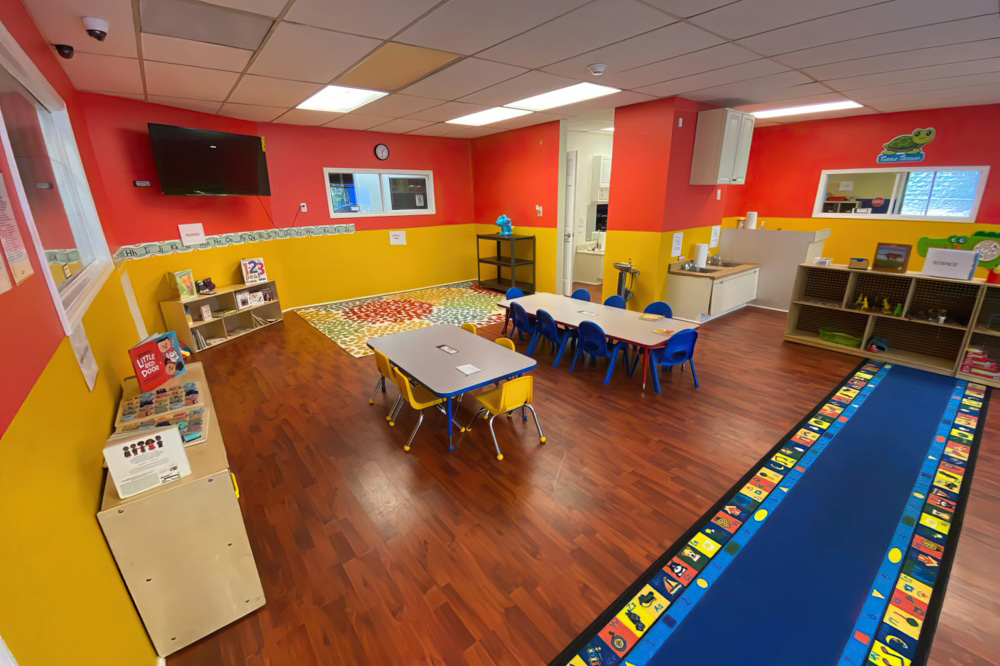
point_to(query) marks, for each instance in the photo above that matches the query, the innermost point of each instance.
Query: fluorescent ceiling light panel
(608, 129)
(810, 108)
(563, 96)
(488, 116)
(339, 99)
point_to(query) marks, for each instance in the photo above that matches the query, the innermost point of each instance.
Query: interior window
(940, 193)
(366, 192)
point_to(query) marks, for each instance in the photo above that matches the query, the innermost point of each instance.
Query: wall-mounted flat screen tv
(196, 161)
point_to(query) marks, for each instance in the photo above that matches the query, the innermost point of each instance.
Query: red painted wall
(786, 160)
(687, 206)
(513, 171)
(34, 331)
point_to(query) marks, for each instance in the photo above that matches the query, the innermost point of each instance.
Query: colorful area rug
(351, 323)
(834, 550)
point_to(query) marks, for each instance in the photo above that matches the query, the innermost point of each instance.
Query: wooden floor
(370, 555)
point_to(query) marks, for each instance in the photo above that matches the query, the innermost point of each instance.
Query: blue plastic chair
(513, 292)
(581, 295)
(615, 301)
(545, 327)
(660, 308)
(593, 342)
(678, 351)
(520, 323)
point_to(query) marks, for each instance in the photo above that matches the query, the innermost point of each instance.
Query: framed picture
(891, 257)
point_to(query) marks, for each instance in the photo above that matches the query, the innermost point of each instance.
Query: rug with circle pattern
(352, 323)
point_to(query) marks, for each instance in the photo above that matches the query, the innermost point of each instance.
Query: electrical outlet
(303, 208)
(538, 210)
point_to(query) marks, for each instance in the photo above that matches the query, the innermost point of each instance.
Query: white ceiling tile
(916, 74)
(306, 117)
(401, 125)
(536, 118)
(667, 42)
(464, 77)
(526, 85)
(954, 32)
(784, 85)
(591, 121)
(189, 19)
(448, 111)
(978, 91)
(60, 22)
(303, 53)
(842, 113)
(437, 129)
(473, 132)
(686, 8)
(103, 73)
(988, 78)
(205, 106)
(190, 82)
(615, 100)
(937, 55)
(357, 121)
(822, 98)
(266, 7)
(874, 20)
(266, 91)
(748, 17)
(259, 114)
(374, 18)
(716, 57)
(924, 103)
(468, 26)
(396, 106)
(718, 77)
(593, 25)
(199, 54)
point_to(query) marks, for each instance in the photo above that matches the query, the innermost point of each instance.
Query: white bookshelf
(228, 320)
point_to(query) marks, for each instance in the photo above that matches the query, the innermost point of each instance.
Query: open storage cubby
(228, 319)
(913, 339)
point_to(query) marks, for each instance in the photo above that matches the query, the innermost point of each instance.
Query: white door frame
(566, 233)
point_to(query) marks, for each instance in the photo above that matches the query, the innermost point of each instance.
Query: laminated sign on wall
(10, 238)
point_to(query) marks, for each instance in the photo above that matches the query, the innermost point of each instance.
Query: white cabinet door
(730, 144)
(742, 156)
(728, 293)
(601, 177)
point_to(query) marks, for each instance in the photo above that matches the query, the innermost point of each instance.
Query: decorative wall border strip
(224, 240)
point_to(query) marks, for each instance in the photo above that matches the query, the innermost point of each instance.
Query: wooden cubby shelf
(963, 345)
(184, 315)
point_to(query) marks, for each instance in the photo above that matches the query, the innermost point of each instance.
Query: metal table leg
(451, 446)
(645, 367)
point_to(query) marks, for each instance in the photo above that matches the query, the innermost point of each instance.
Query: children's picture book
(256, 297)
(663, 331)
(242, 300)
(253, 271)
(137, 464)
(191, 423)
(159, 402)
(206, 312)
(182, 283)
(156, 360)
(649, 316)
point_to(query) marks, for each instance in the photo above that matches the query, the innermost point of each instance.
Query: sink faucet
(715, 260)
(688, 265)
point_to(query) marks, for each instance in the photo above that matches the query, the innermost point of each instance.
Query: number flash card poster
(156, 360)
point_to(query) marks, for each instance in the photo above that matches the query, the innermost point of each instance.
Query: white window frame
(429, 175)
(984, 172)
(73, 302)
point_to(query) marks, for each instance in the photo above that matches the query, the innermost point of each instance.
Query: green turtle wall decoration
(906, 147)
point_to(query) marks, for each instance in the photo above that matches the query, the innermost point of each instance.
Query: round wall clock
(382, 151)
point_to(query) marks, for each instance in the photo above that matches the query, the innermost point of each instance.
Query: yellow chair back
(471, 328)
(505, 342)
(384, 365)
(515, 392)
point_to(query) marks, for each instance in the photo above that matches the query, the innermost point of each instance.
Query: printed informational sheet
(84, 355)
(5, 283)
(716, 230)
(10, 238)
(140, 463)
(678, 245)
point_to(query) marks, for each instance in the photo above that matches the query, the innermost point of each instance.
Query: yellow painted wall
(650, 252)
(858, 238)
(546, 245)
(319, 269)
(61, 597)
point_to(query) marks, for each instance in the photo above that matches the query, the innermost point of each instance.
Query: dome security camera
(96, 27)
(597, 68)
(64, 50)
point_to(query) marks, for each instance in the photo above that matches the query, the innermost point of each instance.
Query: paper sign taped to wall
(5, 283)
(678, 246)
(10, 238)
(716, 230)
(191, 234)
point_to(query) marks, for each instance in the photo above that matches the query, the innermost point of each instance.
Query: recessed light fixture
(608, 129)
(340, 99)
(563, 96)
(809, 108)
(488, 116)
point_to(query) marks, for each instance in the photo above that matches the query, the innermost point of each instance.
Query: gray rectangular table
(417, 353)
(624, 325)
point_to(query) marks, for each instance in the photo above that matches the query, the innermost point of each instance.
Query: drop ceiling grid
(769, 50)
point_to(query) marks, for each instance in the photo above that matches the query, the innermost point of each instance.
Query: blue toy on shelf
(504, 223)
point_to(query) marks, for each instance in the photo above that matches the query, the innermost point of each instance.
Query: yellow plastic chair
(513, 394)
(471, 328)
(506, 342)
(385, 373)
(418, 398)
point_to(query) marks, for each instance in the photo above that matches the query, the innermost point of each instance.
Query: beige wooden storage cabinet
(182, 548)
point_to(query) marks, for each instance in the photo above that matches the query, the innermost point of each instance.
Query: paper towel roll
(751, 222)
(700, 254)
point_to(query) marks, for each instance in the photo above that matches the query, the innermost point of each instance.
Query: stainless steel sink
(695, 269)
(726, 264)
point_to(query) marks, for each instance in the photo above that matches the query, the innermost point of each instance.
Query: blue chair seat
(656, 307)
(678, 351)
(513, 292)
(581, 295)
(545, 327)
(615, 301)
(520, 323)
(593, 342)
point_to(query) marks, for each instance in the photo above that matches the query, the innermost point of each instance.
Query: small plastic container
(839, 337)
